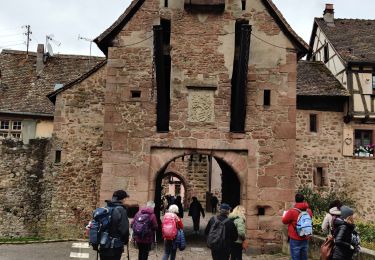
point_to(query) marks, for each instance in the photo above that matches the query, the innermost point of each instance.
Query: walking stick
(156, 245)
(127, 246)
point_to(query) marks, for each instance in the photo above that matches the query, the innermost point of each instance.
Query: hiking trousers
(236, 251)
(220, 255)
(111, 254)
(196, 223)
(143, 250)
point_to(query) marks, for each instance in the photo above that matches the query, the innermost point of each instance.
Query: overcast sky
(88, 18)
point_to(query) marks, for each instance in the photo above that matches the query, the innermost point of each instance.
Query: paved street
(196, 249)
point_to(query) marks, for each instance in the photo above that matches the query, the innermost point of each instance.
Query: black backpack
(216, 235)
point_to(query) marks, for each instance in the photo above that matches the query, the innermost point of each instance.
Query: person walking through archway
(214, 202)
(195, 211)
(239, 220)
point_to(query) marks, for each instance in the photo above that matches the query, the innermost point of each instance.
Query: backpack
(216, 235)
(142, 226)
(180, 240)
(99, 229)
(169, 226)
(304, 224)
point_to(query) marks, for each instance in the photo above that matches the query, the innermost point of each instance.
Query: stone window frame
(324, 181)
(10, 128)
(372, 139)
(318, 122)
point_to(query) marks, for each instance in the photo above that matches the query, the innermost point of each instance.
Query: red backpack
(169, 226)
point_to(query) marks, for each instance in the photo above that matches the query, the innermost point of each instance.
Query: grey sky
(69, 18)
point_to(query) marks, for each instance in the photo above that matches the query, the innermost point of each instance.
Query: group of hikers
(342, 242)
(225, 232)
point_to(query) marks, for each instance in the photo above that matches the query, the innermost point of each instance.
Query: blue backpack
(304, 225)
(99, 229)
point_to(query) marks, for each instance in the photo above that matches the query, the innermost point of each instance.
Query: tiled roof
(104, 39)
(23, 91)
(314, 79)
(354, 39)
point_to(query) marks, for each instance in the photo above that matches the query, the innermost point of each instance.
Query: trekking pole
(97, 254)
(127, 246)
(156, 245)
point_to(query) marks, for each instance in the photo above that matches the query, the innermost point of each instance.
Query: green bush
(319, 202)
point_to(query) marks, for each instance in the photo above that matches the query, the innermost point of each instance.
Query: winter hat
(346, 212)
(225, 206)
(119, 195)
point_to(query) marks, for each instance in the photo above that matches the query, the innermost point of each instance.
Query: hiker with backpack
(221, 233)
(299, 221)
(144, 226)
(239, 220)
(347, 241)
(195, 211)
(170, 225)
(109, 229)
(332, 214)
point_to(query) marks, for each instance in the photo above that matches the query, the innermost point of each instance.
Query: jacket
(231, 233)
(290, 218)
(240, 224)
(119, 227)
(196, 209)
(343, 249)
(327, 224)
(148, 238)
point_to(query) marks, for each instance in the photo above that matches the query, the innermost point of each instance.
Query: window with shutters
(363, 143)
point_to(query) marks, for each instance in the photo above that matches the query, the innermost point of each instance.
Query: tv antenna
(50, 38)
(88, 40)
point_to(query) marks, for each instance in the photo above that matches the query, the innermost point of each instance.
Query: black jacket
(343, 249)
(119, 221)
(196, 209)
(231, 233)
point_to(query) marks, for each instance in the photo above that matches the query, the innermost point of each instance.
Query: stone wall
(355, 175)
(78, 134)
(202, 54)
(24, 187)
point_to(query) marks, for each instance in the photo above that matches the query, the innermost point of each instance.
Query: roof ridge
(59, 55)
(350, 19)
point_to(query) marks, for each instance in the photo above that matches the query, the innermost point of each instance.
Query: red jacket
(290, 219)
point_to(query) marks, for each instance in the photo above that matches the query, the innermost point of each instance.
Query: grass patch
(19, 239)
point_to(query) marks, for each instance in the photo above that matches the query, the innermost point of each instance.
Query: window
(243, 2)
(136, 93)
(373, 83)
(10, 128)
(363, 143)
(319, 177)
(57, 156)
(313, 123)
(165, 3)
(326, 53)
(267, 97)
(261, 211)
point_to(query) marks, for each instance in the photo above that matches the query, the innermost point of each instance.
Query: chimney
(40, 58)
(329, 15)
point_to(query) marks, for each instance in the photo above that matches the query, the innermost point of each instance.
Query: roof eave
(104, 40)
(301, 46)
(52, 96)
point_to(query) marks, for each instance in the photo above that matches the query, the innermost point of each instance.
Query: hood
(302, 205)
(334, 211)
(147, 210)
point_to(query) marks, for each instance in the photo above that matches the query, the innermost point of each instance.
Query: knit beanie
(346, 212)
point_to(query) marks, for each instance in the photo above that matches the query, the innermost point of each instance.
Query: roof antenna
(49, 38)
(88, 40)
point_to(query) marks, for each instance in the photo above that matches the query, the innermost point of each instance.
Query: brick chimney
(40, 58)
(329, 15)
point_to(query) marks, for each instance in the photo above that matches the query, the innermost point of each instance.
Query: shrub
(319, 202)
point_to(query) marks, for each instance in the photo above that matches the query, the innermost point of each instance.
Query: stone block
(285, 131)
(266, 181)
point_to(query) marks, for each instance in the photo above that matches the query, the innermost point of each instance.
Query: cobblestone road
(196, 248)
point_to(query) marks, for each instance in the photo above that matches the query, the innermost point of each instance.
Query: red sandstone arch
(161, 157)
